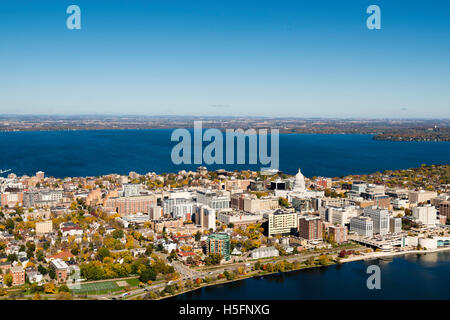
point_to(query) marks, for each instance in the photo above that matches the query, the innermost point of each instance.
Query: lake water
(92, 153)
(413, 276)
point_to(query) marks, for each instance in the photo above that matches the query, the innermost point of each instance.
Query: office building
(426, 215)
(395, 225)
(205, 217)
(444, 209)
(362, 226)
(380, 218)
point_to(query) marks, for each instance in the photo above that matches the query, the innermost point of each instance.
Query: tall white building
(213, 199)
(362, 226)
(131, 190)
(380, 218)
(205, 216)
(426, 215)
(178, 208)
(395, 225)
(281, 222)
(338, 215)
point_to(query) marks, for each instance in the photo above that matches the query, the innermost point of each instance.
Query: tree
(49, 288)
(52, 273)
(283, 202)
(12, 257)
(213, 259)
(172, 256)
(148, 274)
(64, 296)
(10, 225)
(8, 279)
(149, 250)
(118, 234)
(102, 253)
(63, 288)
(75, 251)
(40, 255)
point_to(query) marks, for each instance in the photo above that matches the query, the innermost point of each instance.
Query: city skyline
(294, 59)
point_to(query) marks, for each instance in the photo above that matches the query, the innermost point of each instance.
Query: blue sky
(234, 57)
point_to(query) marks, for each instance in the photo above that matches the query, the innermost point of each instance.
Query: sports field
(97, 287)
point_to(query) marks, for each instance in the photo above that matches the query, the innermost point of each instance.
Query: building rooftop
(59, 264)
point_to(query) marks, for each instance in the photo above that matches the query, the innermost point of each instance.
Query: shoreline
(371, 256)
(378, 255)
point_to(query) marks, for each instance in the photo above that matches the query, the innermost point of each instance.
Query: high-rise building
(362, 226)
(427, 215)
(131, 205)
(338, 215)
(444, 209)
(380, 218)
(178, 207)
(205, 216)
(395, 225)
(421, 196)
(310, 227)
(251, 203)
(282, 222)
(214, 200)
(219, 243)
(131, 190)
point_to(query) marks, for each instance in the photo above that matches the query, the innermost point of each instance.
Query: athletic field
(96, 287)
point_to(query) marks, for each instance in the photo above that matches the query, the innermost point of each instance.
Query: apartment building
(310, 228)
(281, 222)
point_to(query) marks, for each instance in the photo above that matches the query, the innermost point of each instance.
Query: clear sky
(233, 57)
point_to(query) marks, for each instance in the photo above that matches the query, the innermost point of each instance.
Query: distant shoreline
(375, 136)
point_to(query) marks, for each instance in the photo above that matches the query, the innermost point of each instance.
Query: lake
(412, 276)
(92, 153)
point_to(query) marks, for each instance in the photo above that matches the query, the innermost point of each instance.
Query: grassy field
(97, 288)
(133, 282)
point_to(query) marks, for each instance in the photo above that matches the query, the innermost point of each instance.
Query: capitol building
(299, 190)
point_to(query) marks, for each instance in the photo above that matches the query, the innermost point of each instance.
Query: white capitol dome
(299, 182)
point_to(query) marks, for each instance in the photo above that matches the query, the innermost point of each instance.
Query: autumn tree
(8, 279)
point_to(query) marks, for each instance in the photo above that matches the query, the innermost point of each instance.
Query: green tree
(52, 273)
(10, 225)
(147, 275)
(102, 253)
(42, 270)
(63, 288)
(12, 257)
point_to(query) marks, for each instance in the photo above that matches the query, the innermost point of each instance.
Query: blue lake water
(413, 276)
(92, 153)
